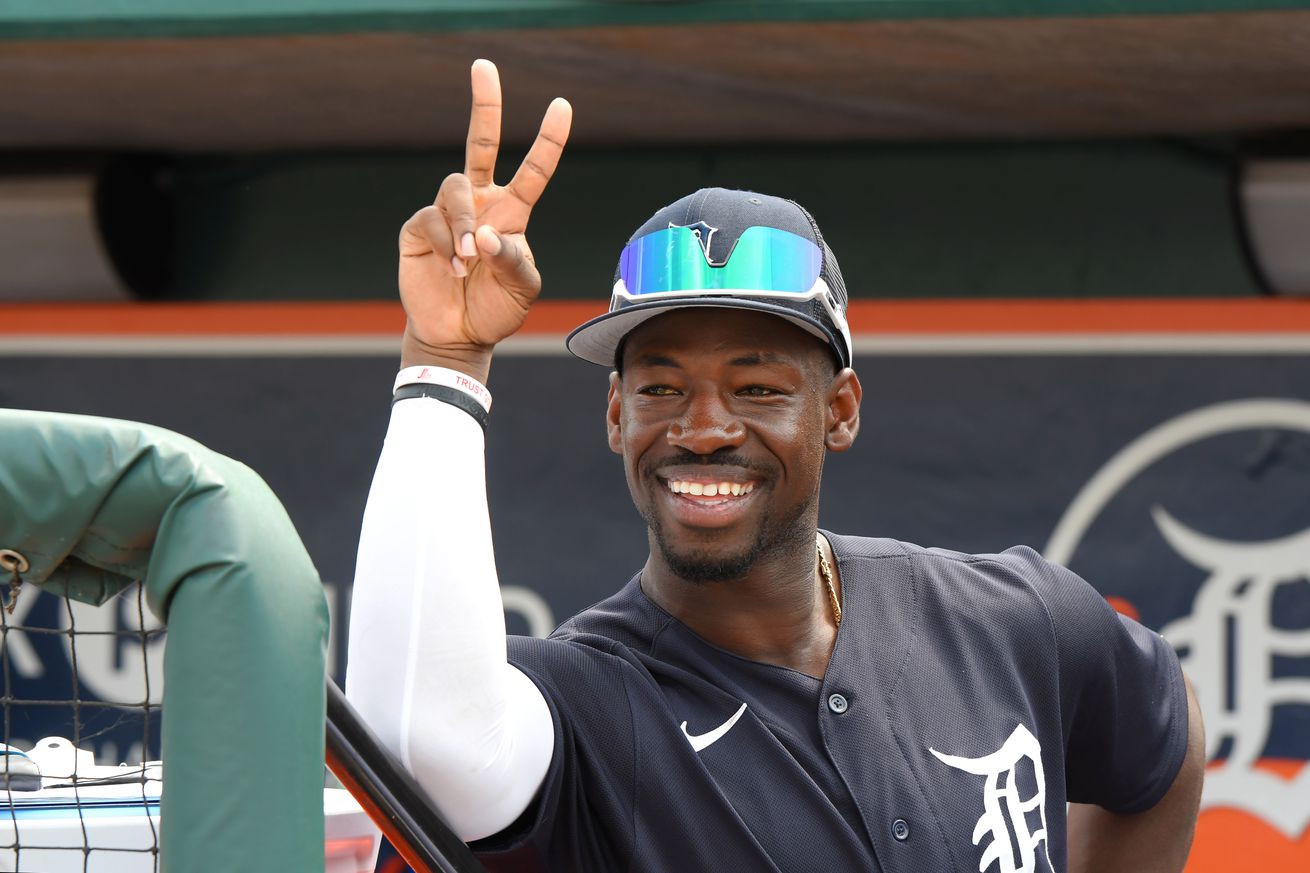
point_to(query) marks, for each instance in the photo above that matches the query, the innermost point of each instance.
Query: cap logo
(703, 233)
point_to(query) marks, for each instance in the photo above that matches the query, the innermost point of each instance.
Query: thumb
(508, 261)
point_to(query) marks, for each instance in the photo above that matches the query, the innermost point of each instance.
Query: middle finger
(484, 124)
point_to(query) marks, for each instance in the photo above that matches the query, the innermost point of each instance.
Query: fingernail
(490, 242)
(457, 264)
(467, 247)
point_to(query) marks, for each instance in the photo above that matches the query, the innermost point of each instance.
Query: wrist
(446, 385)
(468, 358)
(456, 379)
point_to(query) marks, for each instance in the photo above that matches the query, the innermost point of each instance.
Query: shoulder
(1015, 596)
(1019, 570)
(627, 620)
(1018, 578)
(599, 646)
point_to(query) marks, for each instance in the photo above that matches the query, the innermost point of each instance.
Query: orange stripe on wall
(558, 317)
(228, 319)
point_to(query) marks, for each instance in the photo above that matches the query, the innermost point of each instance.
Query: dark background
(975, 453)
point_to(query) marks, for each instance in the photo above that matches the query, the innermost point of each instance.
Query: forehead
(720, 332)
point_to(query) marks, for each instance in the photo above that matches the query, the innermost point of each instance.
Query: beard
(706, 564)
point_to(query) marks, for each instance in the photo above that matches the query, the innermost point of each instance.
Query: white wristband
(450, 378)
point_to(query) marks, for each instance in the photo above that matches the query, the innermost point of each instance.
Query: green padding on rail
(136, 19)
(95, 503)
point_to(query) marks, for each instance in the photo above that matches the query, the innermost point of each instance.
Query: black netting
(82, 688)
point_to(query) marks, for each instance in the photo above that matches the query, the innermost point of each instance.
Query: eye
(657, 390)
(759, 391)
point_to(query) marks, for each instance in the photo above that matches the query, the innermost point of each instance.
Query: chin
(703, 565)
(712, 555)
(701, 555)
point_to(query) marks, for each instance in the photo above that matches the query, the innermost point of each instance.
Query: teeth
(711, 489)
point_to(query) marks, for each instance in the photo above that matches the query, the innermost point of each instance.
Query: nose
(706, 425)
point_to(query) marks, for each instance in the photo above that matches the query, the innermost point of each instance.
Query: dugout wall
(1156, 447)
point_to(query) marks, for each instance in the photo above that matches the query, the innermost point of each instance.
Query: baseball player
(761, 695)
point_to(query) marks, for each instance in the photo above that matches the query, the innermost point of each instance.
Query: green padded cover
(143, 19)
(95, 504)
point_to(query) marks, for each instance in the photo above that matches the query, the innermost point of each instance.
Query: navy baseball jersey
(967, 699)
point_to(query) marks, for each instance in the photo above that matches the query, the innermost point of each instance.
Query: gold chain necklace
(825, 570)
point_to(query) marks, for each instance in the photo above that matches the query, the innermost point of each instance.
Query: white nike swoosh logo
(704, 741)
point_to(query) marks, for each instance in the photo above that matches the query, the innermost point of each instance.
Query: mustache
(722, 458)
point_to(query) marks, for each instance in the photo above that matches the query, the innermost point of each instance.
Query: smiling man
(761, 695)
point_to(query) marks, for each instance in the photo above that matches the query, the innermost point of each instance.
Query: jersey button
(901, 829)
(838, 704)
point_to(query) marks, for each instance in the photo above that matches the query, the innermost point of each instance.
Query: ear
(843, 417)
(614, 414)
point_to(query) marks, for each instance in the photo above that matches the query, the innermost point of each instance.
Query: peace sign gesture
(467, 277)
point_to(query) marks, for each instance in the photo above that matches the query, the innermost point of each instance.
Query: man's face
(723, 418)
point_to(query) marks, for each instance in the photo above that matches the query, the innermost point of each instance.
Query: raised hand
(467, 277)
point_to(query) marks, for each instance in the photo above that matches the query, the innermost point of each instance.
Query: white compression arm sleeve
(427, 662)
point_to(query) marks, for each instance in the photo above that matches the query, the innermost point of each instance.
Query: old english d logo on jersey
(1005, 831)
(1231, 547)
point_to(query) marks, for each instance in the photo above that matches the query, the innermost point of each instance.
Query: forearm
(1156, 840)
(427, 667)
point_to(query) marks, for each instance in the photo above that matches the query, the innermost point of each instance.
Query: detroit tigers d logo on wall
(1235, 607)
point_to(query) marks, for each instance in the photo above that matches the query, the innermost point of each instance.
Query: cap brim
(598, 339)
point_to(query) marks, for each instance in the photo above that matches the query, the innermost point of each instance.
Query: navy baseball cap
(723, 249)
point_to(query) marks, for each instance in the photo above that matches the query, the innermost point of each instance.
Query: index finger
(484, 124)
(541, 160)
